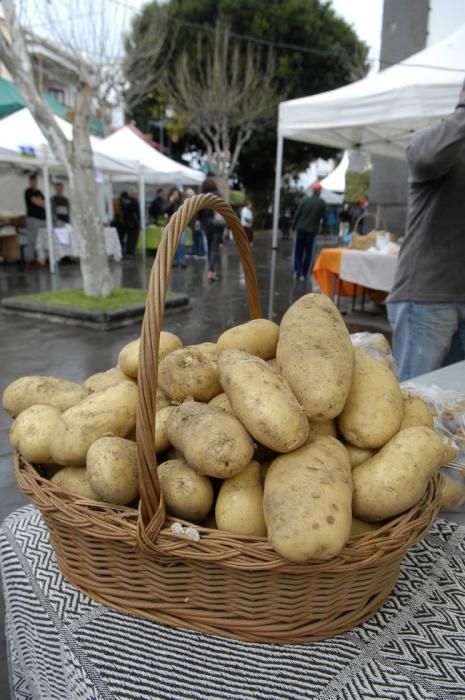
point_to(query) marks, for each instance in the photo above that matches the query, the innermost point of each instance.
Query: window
(58, 94)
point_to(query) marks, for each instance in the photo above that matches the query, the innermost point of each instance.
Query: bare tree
(90, 36)
(225, 91)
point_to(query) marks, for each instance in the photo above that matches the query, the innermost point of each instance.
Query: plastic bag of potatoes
(286, 432)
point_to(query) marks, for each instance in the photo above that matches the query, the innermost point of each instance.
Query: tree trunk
(96, 276)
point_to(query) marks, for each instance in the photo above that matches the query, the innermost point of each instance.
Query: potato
(129, 355)
(209, 350)
(187, 373)
(112, 470)
(128, 359)
(31, 431)
(263, 401)
(307, 501)
(453, 490)
(111, 411)
(188, 495)
(415, 412)
(324, 427)
(162, 400)
(273, 363)
(316, 356)
(239, 505)
(75, 480)
(450, 452)
(102, 380)
(222, 401)
(359, 526)
(395, 479)
(49, 391)
(374, 409)
(212, 441)
(161, 432)
(357, 455)
(258, 337)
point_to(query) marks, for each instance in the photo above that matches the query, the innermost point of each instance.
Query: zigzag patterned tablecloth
(63, 646)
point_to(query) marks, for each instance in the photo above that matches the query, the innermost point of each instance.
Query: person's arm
(433, 151)
(297, 214)
(38, 201)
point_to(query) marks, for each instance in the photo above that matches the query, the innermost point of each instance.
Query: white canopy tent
(379, 113)
(336, 180)
(128, 142)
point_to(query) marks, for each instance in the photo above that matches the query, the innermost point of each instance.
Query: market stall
(379, 113)
(66, 243)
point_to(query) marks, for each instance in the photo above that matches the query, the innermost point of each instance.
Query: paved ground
(39, 347)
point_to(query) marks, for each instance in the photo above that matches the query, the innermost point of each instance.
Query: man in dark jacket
(307, 221)
(426, 306)
(130, 224)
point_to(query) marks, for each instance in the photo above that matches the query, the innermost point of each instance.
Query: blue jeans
(198, 244)
(426, 336)
(180, 257)
(303, 251)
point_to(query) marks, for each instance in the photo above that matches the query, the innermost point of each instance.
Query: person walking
(426, 306)
(213, 226)
(309, 215)
(35, 217)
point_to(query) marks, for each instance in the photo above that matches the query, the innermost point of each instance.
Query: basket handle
(365, 216)
(151, 506)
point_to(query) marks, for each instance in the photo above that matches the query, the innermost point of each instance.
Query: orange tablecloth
(326, 272)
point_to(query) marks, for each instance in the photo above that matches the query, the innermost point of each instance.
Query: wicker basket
(225, 584)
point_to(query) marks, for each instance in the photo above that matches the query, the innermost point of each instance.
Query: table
(63, 645)
(9, 243)
(345, 271)
(66, 243)
(367, 268)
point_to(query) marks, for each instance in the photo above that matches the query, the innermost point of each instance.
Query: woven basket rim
(108, 521)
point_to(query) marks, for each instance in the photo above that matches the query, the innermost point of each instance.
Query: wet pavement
(39, 347)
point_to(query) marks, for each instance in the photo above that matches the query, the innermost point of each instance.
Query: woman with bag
(213, 227)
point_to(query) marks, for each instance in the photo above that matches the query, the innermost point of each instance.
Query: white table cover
(368, 269)
(63, 646)
(67, 243)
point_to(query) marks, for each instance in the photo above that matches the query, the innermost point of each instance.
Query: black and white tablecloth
(63, 646)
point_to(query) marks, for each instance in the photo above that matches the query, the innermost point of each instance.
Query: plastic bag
(448, 409)
(376, 345)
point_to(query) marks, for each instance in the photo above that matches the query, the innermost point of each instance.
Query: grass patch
(77, 299)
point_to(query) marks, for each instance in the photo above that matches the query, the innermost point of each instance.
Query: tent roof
(129, 142)
(336, 180)
(379, 113)
(23, 143)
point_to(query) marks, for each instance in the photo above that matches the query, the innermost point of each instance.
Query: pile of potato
(285, 432)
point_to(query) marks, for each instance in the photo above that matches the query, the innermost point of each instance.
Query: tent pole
(48, 217)
(274, 240)
(142, 210)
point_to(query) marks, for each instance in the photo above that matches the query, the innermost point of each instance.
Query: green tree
(314, 51)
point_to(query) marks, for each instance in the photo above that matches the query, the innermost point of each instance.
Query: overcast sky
(363, 15)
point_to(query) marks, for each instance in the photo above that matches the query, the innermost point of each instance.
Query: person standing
(247, 220)
(130, 224)
(171, 207)
(309, 215)
(213, 227)
(35, 216)
(61, 209)
(426, 306)
(157, 206)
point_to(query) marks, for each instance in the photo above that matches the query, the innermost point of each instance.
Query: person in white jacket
(247, 220)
